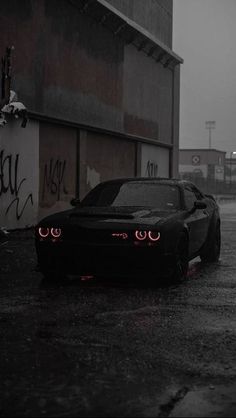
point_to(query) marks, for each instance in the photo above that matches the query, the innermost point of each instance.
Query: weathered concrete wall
(147, 97)
(58, 168)
(175, 122)
(64, 64)
(67, 66)
(104, 158)
(154, 161)
(154, 15)
(19, 174)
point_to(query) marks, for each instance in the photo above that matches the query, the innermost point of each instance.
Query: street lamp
(210, 124)
(230, 161)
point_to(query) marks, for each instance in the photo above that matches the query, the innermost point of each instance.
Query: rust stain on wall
(141, 127)
(110, 157)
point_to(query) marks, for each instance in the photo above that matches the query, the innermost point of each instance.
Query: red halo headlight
(141, 235)
(43, 232)
(56, 232)
(154, 236)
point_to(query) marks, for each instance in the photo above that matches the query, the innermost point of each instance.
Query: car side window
(189, 197)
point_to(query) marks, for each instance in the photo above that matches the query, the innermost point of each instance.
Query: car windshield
(141, 194)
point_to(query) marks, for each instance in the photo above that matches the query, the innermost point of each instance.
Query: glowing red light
(154, 236)
(122, 235)
(43, 232)
(141, 235)
(86, 277)
(56, 232)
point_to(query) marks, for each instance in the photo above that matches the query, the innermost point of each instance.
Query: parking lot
(115, 348)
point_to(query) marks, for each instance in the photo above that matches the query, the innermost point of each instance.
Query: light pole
(230, 161)
(210, 124)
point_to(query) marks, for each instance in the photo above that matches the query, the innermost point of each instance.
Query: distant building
(205, 163)
(230, 170)
(205, 167)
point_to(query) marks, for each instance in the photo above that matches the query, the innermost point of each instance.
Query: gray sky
(204, 35)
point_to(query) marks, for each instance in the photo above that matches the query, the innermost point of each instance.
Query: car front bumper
(103, 260)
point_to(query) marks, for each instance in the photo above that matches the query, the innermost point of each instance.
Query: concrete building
(205, 163)
(100, 82)
(230, 171)
(205, 167)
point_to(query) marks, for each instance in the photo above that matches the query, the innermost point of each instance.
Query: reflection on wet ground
(97, 347)
(196, 270)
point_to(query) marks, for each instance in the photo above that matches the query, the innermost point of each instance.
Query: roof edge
(202, 149)
(143, 32)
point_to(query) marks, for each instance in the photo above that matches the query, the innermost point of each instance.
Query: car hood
(97, 217)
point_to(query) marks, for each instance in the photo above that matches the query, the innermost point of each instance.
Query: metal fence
(210, 185)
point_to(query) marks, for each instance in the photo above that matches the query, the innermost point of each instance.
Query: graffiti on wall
(151, 169)
(11, 183)
(54, 178)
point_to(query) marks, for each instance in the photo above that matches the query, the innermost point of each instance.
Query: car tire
(211, 249)
(181, 262)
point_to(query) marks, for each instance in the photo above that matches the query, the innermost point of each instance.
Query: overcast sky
(204, 35)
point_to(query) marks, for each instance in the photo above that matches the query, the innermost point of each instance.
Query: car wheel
(211, 250)
(181, 260)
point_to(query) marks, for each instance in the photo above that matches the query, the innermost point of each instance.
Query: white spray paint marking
(93, 177)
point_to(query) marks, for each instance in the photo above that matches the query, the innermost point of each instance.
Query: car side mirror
(75, 201)
(199, 204)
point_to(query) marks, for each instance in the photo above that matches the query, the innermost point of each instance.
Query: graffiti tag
(10, 182)
(54, 178)
(151, 169)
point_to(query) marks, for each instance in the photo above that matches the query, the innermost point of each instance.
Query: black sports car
(132, 226)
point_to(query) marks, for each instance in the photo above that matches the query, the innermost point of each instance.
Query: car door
(197, 220)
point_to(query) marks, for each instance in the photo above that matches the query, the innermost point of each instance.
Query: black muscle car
(134, 226)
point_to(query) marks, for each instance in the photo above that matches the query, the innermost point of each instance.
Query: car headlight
(141, 235)
(43, 232)
(49, 233)
(56, 232)
(152, 236)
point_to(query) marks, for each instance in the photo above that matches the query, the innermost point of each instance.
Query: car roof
(160, 180)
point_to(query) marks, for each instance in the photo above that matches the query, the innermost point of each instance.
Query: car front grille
(98, 236)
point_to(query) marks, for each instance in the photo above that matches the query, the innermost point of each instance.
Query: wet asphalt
(117, 348)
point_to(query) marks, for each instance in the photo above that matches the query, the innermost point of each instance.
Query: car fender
(172, 235)
(212, 225)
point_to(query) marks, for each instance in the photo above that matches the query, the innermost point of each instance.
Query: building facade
(205, 167)
(230, 172)
(101, 85)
